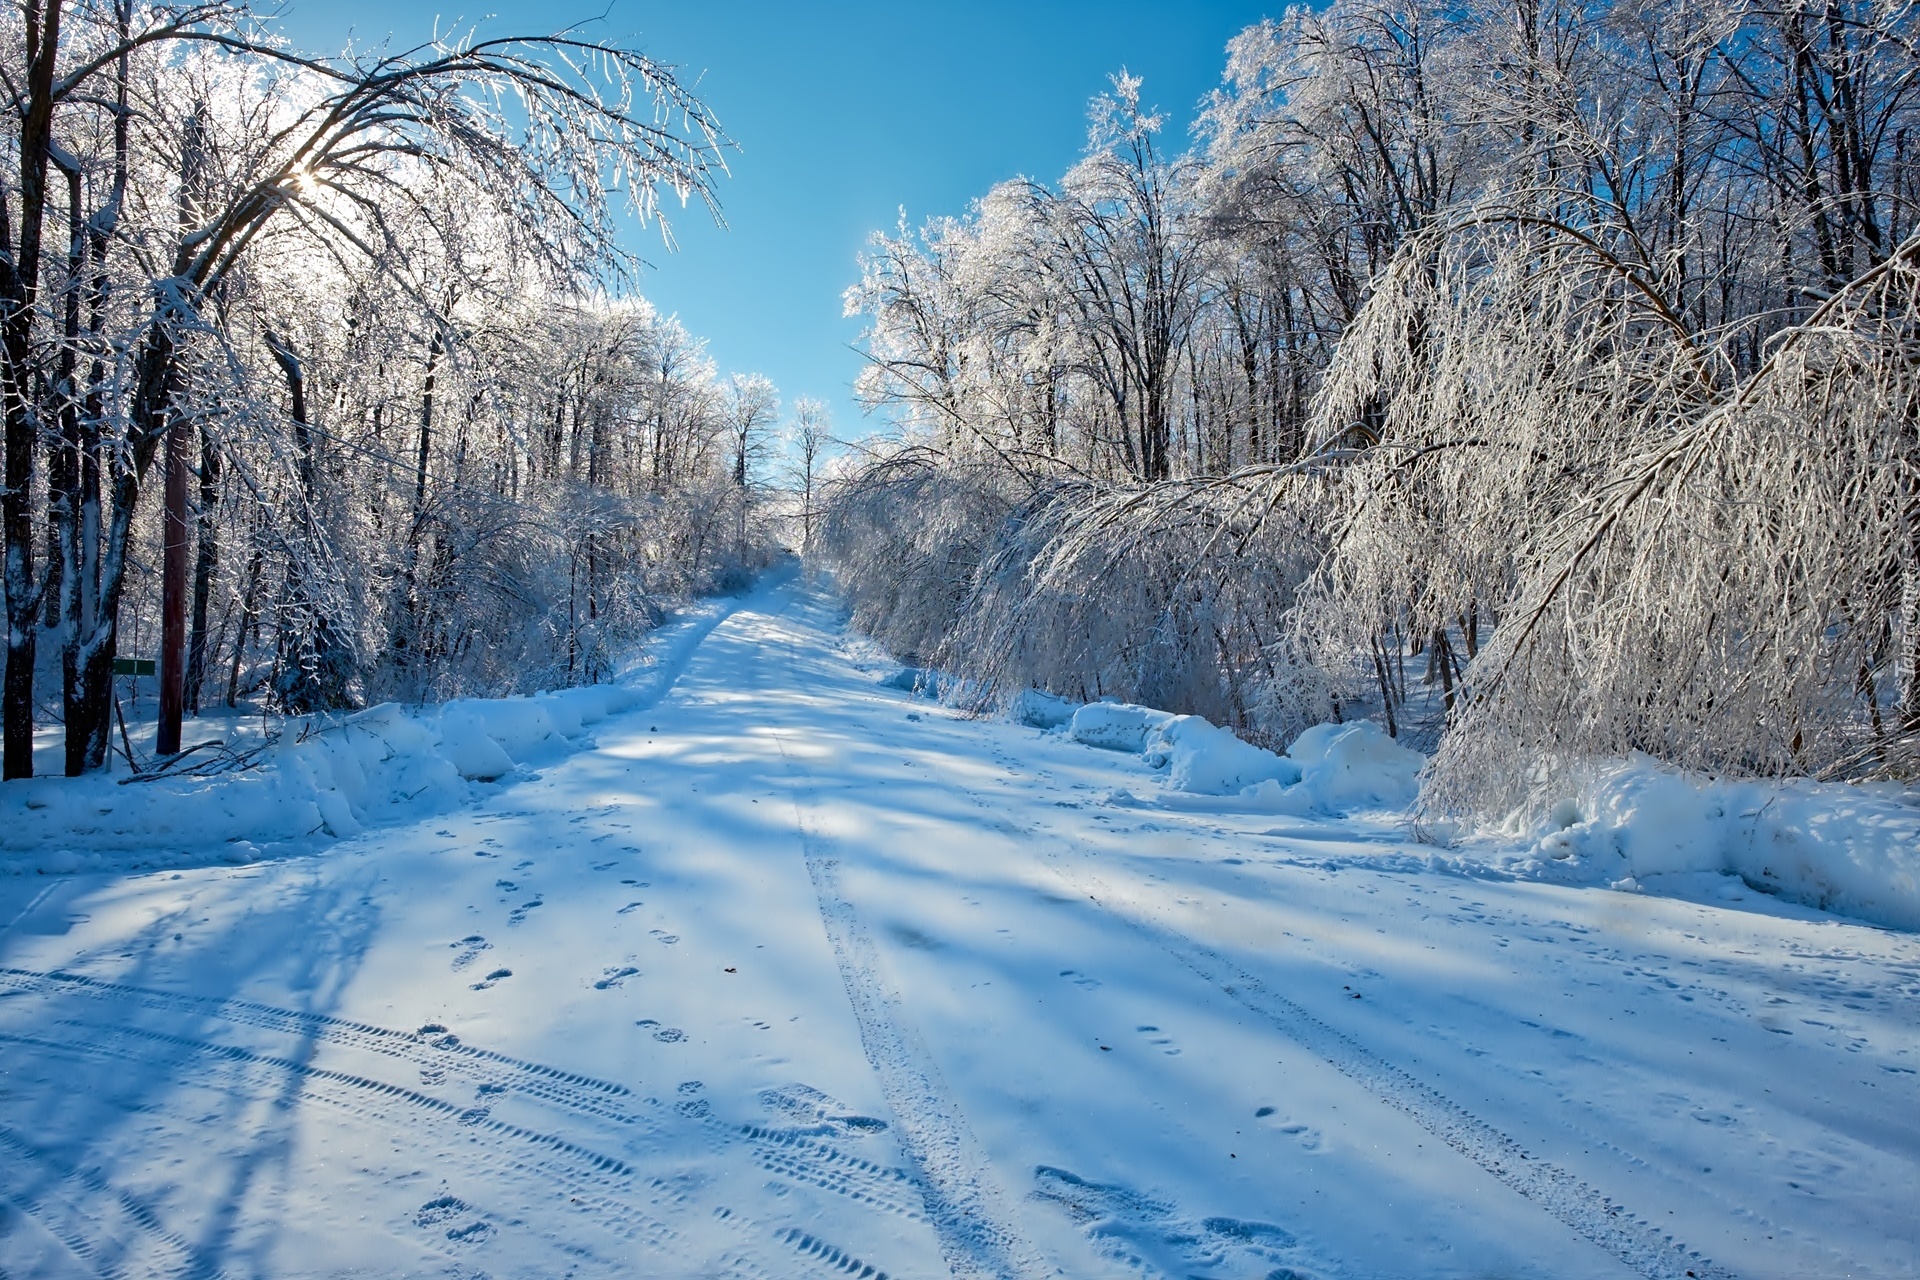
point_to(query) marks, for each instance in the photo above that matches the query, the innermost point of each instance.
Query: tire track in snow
(485, 1148)
(1588, 1212)
(606, 1190)
(579, 1090)
(102, 1226)
(963, 1201)
(602, 1186)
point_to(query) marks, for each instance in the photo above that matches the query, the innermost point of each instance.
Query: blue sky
(844, 113)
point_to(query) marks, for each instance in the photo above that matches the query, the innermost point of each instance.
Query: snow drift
(1844, 847)
(379, 766)
(1634, 824)
(1331, 768)
(382, 765)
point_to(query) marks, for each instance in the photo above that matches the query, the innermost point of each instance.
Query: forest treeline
(1541, 379)
(364, 310)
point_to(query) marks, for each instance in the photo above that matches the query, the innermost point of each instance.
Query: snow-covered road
(794, 975)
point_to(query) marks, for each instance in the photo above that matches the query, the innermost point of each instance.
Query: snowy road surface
(792, 975)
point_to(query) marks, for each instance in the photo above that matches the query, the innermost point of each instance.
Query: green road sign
(133, 666)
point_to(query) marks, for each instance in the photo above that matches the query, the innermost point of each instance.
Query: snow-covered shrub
(1171, 595)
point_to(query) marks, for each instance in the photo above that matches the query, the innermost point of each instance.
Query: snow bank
(1116, 726)
(1356, 766)
(933, 684)
(1041, 710)
(1852, 849)
(1204, 759)
(374, 767)
(383, 765)
(1331, 768)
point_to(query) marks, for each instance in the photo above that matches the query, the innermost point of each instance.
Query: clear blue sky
(843, 113)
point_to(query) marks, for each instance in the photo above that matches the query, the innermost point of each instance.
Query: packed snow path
(794, 975)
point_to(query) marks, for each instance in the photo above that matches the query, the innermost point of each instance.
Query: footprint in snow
(1146, 1233)
(438, 1210)
(666, 1035)
(469, 948)
(613, 977)
(809, 1106)
(1079, 979)
(1306, 1135)
(1164, 1043)
(912, 937)
(519, 913)
(664, 936)
(629, 907)
(492, 978)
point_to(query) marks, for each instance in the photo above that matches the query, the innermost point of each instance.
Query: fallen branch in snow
(227, 761)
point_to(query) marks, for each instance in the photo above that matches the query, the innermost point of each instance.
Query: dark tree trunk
(173, 588)
(407, 628)
(205, 564)
(314, 667)
(173, 523)
(63, 457)
(19, 288)
(86, 678)
(249, 622)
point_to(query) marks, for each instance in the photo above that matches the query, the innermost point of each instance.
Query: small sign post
(133, 666)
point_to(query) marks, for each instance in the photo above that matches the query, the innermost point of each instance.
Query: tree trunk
(173, 522)
(314, 666)
(407, 626)
(173, 589)
(19, 289)
(249, 622)
(205, 564)
(86, 679)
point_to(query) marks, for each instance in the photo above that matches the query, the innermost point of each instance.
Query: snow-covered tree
(362, 314)
(1557, 351)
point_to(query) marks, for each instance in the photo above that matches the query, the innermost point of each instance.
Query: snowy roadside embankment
(1853, 849)
(1634, 825)
(379, 766)
(1330, 769)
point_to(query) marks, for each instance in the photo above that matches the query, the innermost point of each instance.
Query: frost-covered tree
(1537, 385)
(809, 437)
(356, 310)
